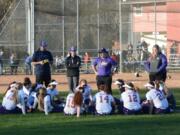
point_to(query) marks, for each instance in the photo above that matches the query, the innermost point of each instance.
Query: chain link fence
(128, 28)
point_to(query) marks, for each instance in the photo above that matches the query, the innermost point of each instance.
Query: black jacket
(39, 56)
(73, 64)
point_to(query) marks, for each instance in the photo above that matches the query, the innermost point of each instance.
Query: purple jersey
(104, 65)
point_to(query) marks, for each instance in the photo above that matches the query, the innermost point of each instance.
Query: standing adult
(156, 65)
(1, 62)
(73, 63)
(103, 67)
(13, 63)
(28, 66)
(42, 60)
(86, 59)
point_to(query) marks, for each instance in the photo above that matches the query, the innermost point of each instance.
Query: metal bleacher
(174, 62)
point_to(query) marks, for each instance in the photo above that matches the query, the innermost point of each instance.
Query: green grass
(58, 124)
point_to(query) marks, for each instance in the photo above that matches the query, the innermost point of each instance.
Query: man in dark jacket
(42, 60)
(73, 63)
(156, 65)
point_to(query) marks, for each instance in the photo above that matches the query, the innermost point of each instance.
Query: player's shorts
(14, 111)
(131, 112)
(161, 111)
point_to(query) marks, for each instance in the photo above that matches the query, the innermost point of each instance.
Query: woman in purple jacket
(156, 65)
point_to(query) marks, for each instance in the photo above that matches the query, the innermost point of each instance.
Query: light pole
(120, 36)
(77, 26)
(98, 24)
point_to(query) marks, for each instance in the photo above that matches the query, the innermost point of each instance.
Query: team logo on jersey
(104, 63)
(157, 58)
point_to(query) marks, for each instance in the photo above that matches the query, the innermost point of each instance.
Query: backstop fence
(128, 28)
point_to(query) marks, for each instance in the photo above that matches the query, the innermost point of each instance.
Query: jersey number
(132, 98)
(104, 99)
(160, 96)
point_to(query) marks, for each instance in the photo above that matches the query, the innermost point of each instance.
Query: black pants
(106, 80)
(171, 101)
(158, 76)
(43, 78)
(14, 70)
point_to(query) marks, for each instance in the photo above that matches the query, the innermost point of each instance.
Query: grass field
(57, 123)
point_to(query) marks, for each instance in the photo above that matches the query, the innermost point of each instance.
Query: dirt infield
(173, 82)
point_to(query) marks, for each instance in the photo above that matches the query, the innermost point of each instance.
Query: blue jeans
(28, 69)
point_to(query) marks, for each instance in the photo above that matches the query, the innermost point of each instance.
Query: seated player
(169, 95)
(26, 89)
(131, 100)
(27, 86)
(13, 101)
(103, 101)
(69, 108)
(32, 96)
(156, 102)
(54, 93)
(21, 96)
(73, 104)
(86, 92)
(43, 101)
(120, 83)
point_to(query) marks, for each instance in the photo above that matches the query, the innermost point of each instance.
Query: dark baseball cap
(103, 50)
(43, 43)
(73, 49)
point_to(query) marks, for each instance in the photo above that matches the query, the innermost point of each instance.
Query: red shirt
(86, 59)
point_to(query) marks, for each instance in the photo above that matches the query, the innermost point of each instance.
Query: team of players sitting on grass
(27, 97)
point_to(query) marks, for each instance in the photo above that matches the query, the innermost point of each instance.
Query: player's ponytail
(78, 98)
(157, 84)
(136, 89)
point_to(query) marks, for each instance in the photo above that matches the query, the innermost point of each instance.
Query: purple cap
(73, 49)
(43, 43)
(103, 50)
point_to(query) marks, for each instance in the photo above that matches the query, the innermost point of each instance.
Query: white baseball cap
(149, 84)
(54, 83)
(127, 86)
(14, 85)
(119, 82)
